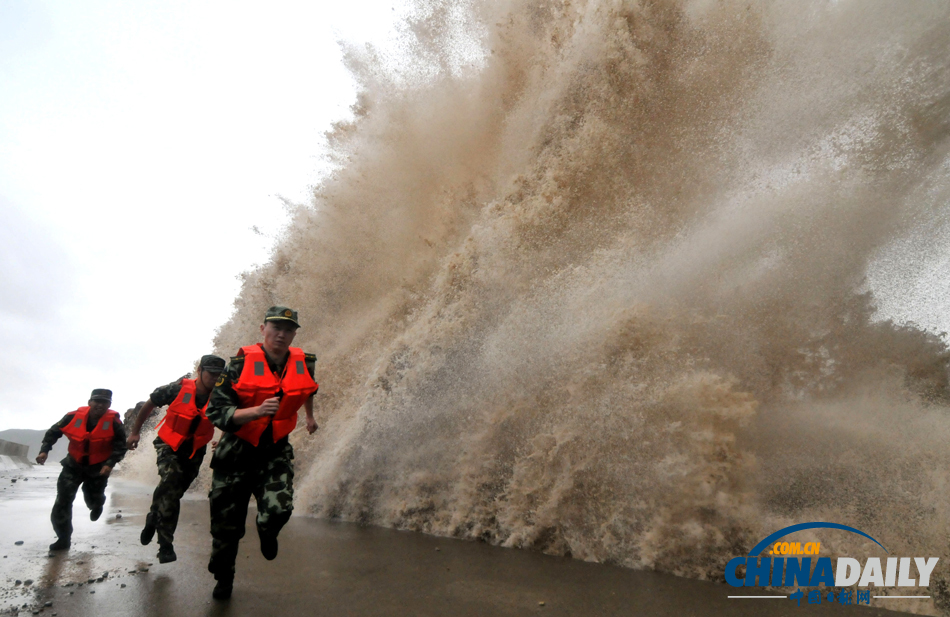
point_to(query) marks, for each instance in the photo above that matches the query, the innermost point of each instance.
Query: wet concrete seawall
(9, 448)
(13, 456)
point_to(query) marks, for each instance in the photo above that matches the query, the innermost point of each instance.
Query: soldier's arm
(224, 400)
(160, 397)
(118, 446)
(311, 421)
(224, 409)
(51, 437)
(143, 415)
(312, 427)
(311, 361)
(267, 408)
(165, 395)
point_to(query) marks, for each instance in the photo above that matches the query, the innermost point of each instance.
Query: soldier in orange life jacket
(255, 403)
(183, 437)
(96, 444)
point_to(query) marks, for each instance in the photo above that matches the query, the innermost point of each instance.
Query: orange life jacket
(94, 446)
(180, 417)
(258, 383)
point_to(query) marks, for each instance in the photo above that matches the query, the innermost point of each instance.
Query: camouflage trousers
(272, 485)
(70, 479)
(177, 472)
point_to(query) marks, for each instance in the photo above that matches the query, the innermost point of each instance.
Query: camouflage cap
(101, 394)
(212, 363)
(281, 313)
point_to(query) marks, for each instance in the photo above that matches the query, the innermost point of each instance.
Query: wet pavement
(324, 568)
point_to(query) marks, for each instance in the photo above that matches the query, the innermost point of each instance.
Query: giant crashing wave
(593, 278)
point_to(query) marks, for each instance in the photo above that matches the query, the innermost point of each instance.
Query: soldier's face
(208, 378)
(98, 406)
(278, 335)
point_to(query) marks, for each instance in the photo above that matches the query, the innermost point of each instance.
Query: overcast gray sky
(140, 142)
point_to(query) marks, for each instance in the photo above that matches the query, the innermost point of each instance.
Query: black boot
(222, 591)
(268, 546)
(166, 553)
(148, 532)
(61, 544)
(95, 513)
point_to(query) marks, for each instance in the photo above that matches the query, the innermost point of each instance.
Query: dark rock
(122, 585)
(28, 581)
(18, 542)
(18, 582)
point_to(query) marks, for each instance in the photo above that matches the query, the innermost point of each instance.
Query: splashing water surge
(593, 278)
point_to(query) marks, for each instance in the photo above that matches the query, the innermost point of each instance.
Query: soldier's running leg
(274, 491)
(162, 454)
(177, 472)
(229, 497)
(62, 515)
(94, 493)
(180, 476)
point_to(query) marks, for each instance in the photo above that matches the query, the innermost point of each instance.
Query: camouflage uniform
(176, 469)
(75, 474)
(240, 470)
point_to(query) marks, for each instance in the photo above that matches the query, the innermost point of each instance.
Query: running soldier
(255, 403)
(96, 444)
(180, 446)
